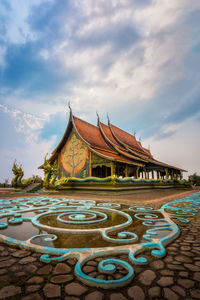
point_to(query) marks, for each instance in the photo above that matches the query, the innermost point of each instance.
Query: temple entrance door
(120, 170)
(101, 171)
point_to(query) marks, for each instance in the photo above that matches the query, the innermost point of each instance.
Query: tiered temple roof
(110, 142)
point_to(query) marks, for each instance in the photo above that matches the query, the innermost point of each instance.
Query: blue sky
(137, 60)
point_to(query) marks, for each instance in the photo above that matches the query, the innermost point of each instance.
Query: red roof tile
(118, 147)
(91, 134)
(107, 132)
(126, 138)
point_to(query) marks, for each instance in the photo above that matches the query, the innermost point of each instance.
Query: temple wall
(100, 167)
(74, 158)
(98, 160)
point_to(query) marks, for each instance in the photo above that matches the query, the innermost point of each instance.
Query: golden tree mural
(74, 155)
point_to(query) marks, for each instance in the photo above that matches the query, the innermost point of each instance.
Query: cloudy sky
(138, 60)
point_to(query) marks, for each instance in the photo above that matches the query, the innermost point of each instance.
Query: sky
(136, 60)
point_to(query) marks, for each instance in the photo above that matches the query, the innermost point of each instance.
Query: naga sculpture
(47, 172)
(17, 181)
(18, 172)
(54, 174)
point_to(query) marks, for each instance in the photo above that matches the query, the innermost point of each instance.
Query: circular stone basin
(82, 217)
(78, 217)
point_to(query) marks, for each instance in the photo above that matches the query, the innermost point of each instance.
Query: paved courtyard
(176, 276)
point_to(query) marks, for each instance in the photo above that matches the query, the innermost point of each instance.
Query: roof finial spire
(134, 133)
(97, 117)
(108, 119)
(69, 107)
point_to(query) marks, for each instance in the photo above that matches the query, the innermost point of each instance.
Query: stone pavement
(137, 196)
(176, 276)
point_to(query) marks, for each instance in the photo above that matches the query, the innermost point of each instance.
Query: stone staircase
(30, 187)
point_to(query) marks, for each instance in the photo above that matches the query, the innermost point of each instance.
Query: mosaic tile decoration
(61, 228)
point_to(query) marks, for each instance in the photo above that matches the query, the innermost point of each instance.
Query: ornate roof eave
(110, 142)
(101, 155)
(125, 145)
(120, 151)
(143, 158)
(80, 136)
(116, 138)
(142, 154)
(56, 150)
(71, 120)
(102, 149)
(131, 156)
(156, 162)
(115, 159)
(131, 163)
(135, 152)
(104, 135)
(108, 148)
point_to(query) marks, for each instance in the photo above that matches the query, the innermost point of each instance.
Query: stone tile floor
(176, 276)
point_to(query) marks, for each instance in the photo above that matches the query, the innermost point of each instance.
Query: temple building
(88, 151)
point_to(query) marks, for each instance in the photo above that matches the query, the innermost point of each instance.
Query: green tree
(194, 179)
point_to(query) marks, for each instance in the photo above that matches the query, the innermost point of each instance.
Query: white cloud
(161, 15)
(180, 149)
(142, 70)
(137, 73)
(44, 53)
(17, 28)
(30, 153)
(24, 122)
(171, 128)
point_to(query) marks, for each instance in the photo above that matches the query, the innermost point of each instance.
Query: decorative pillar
(145, 174)
(166, 173)
(158, 177)
(152, 172)
(126, 171)
(112, 168)
(90, 166)
(137, 173)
